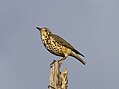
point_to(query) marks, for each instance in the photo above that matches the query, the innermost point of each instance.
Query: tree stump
(57, 79)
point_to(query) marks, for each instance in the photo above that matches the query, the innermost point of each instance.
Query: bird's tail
(78, 58)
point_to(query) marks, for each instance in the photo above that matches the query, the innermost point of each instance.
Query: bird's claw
(60, 62)
(53, 62)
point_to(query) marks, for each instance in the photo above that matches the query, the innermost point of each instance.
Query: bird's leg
(62, 59)
(53, 62)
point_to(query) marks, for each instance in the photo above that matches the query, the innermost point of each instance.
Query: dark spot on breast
(53, 41)
(46, 36)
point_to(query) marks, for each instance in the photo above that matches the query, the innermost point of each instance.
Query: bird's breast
(52, 46)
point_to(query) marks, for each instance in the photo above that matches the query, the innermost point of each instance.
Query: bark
(57, 79)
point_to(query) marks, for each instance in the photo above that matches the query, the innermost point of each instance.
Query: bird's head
(44, 31)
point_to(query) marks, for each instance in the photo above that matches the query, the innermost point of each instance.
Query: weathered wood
(57, 79)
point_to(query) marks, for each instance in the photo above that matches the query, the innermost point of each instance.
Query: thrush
(58, 46)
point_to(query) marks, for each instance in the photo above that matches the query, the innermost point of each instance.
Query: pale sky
(91, 26)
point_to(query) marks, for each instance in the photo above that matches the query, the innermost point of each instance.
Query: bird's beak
(38, 28)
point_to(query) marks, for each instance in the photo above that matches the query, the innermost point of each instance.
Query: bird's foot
(60, 61)
(53, 62)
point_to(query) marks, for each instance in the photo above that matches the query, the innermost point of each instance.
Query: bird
(58, 46)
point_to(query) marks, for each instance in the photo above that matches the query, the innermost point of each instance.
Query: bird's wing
(62, 42)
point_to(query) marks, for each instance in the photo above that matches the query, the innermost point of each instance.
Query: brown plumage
(58, 46)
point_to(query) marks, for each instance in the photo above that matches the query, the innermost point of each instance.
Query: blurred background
(91, 26)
